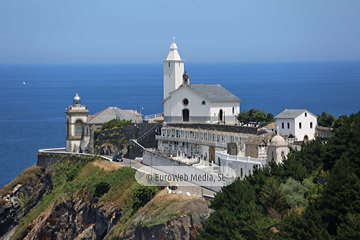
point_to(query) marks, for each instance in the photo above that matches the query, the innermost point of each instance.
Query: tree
(325, 119)
(294, 193)
(254, 115)
(272, 198)
(115, 123)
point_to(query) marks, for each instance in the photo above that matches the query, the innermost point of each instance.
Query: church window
(282, 125)
(185, 101)
(310, 124)
(169, 64)
(282, 154)
(288, 125)
(305, 114)
(203, 103)
(233, 110)
(299, 125)
(78, 128)
(241, 172)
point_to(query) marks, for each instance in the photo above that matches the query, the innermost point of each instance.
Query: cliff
(89, 198)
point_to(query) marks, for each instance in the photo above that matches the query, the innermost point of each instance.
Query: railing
(223, 155)
(152, 116)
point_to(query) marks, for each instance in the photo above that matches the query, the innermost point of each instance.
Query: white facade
(200, 109)
(76, 117)
(173, 70)
(298, 122)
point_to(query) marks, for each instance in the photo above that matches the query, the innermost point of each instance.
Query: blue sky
(140, 31)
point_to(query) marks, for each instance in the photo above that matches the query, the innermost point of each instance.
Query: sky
(140, 31)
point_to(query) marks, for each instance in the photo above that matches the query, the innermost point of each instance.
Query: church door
(220, 115)
(186, 115)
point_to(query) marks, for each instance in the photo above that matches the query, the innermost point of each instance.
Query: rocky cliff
(89, 198)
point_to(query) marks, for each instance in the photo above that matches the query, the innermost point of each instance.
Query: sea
(33, 98)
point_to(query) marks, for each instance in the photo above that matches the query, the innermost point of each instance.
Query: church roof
(110, 114)
(293, 113)
(173, 54)
(215, 93)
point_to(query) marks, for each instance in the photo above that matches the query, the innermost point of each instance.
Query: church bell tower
(173, 70)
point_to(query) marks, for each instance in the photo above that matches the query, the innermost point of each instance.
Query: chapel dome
(277, 141)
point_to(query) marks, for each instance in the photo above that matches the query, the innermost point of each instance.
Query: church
(197, 103)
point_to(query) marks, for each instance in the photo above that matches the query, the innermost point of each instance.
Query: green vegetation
(86, 179)
(115, 123)
(314, 194)
(328, 120)
(256, 116)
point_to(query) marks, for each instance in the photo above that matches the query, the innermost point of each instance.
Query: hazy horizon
(139, 32)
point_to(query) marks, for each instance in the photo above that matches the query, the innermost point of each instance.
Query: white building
(200, 103)
(300, 123)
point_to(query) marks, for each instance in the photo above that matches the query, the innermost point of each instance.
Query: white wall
(227, 107)
(237, 163)
(286, 131)
(173, 107)
(305, 126)
(294, 126)
(172, 75)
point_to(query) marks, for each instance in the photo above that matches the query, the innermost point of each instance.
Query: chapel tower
(76, 117)
(173, 70)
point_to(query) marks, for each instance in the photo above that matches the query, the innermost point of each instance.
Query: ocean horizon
(32, 114)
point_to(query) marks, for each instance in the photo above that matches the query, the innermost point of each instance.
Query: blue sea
(32, 114)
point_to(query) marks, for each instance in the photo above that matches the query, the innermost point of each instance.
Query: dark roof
(292, 113)
(215, 93)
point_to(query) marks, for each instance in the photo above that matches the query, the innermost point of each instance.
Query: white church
(200, 103)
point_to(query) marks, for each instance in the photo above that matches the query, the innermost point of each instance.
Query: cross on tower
(173, 39)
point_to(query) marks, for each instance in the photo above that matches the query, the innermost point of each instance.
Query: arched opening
(186, 115)
(306, 138)
(220, 115)
(78, 128)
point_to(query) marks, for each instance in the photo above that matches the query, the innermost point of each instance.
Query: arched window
(78, 128)
(203, 103)
(282, 154)
(220, 115)
(233, 110)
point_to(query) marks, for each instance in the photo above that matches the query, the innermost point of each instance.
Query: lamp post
(130, 151)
